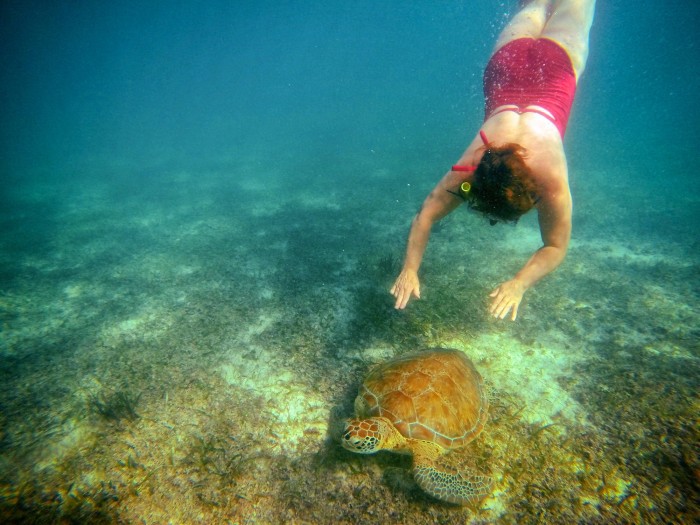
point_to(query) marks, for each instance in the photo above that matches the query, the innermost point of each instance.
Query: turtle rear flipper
(463, 487)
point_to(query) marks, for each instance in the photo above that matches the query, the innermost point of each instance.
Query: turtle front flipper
(441, 479)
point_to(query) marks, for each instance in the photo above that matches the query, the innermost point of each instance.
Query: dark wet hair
(503, 187)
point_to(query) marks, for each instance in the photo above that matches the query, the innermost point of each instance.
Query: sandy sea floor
(175, 348)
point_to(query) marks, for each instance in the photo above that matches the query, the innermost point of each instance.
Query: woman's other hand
(406, 285)
(506, 298)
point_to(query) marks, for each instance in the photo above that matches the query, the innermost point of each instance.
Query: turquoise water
(202, 210)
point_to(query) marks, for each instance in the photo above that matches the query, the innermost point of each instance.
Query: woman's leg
(569, 26)
(529, 22)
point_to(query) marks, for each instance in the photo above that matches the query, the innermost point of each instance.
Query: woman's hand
(506, 298)
(406, 285)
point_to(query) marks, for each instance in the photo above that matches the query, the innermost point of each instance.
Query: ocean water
(202, 209)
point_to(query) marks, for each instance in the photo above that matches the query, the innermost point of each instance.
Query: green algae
(198, 378)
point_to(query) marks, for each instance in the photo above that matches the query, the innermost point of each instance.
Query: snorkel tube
(464, 189)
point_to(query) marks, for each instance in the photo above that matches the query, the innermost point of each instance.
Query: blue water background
(323, 93)
(88, 85)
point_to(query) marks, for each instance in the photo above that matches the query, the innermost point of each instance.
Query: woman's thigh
(569, 26)
(529, 22)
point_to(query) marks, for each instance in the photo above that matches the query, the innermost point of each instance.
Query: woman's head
(503, 187)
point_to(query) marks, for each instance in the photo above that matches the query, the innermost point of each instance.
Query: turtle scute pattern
(435, 395)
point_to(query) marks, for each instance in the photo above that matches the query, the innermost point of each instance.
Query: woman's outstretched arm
(439, 203)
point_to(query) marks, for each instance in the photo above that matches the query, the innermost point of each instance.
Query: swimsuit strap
(519, 111)
(472, 168)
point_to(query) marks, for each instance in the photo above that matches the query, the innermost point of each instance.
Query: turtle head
(366, 436)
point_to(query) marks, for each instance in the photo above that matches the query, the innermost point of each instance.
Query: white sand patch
(73, 291)
(264, 322)
(147, 324)
(270, 209)
(258, 184)
(638, 253)
(528, 374)
(662, 303)
(289, 400)
(183, 270)
(73, 434)
(266, 293)
(670, 349)
(326, 201)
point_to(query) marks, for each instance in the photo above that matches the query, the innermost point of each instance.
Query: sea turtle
(429, 403)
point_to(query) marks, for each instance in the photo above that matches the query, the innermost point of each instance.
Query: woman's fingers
(403, 289)
(404, 295)
(515, 311)
(503, 303)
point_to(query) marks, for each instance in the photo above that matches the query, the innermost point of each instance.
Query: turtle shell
(435, 395)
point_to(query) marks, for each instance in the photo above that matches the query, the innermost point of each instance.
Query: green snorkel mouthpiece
(464, 189)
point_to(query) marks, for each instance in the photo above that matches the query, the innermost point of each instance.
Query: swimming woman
(516, 161)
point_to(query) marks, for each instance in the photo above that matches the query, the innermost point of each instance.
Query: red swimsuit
(529, 71)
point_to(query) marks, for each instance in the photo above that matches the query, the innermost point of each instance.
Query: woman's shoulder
(551, 177)
(546, 158)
